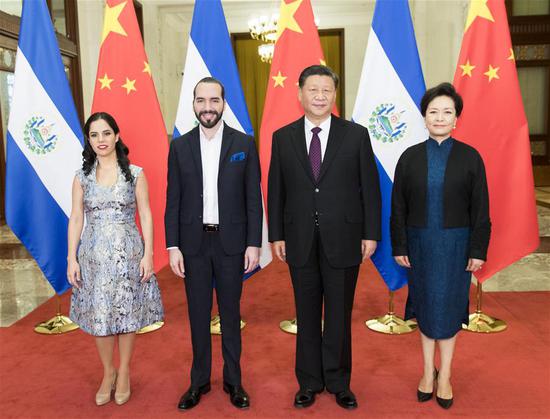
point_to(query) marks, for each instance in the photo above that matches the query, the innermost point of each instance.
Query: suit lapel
(195, 144)
(335, 138)
(299, 143)
(227, 140)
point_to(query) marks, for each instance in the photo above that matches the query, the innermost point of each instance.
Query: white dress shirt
(210, 158)
(323, 135)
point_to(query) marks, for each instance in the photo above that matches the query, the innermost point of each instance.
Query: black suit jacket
(346, 196)
(465, 196)
(239, 196)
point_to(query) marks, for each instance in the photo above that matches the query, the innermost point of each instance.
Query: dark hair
(317, 70)
(209, 80)
(88, 154)
(442, 89)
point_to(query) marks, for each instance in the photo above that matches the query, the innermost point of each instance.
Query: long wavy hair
(88, 154)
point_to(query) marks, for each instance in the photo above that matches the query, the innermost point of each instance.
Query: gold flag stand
(150, 328)
(216, 325)
(390, 323)
(56, 325)
(289, 326)
(480, 322)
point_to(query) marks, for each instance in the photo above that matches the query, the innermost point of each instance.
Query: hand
(73, 273)
(474, 264)
(146, 268)
(279, 247)
(176, 262)
(251, 258)
(403, 261)
(367, 248)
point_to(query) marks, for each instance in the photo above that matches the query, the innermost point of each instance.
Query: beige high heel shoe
(121, 398)
(104, 398)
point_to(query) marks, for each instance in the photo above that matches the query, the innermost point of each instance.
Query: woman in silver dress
(115, 292)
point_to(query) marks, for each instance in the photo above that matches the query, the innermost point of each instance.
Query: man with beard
(213, 225)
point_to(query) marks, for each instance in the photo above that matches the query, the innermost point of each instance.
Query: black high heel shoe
(444, 403)
(424, 397)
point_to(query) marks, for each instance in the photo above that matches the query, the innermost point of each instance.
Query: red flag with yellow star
(493, 121)
(124, 88)
(297, 47)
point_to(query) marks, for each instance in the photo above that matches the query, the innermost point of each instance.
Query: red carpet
(506, 375)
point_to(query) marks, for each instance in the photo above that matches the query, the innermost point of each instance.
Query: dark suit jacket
(346, 196)
(239, 196)
(465, 196)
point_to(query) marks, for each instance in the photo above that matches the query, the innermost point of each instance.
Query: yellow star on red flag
(146, 68)
(105, 82)
(279, 79)
(287, 19)
(478, 8)
(129, 85)
(111, 22)
(511, 56)
(467, 68)
(492, 73)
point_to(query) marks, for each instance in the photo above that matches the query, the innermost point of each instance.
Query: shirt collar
(217, 135)
(325, 125)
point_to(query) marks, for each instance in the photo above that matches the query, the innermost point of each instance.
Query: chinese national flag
(124, 88)
(297, 47)
(494, 122)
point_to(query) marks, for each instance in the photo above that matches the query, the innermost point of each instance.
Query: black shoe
(346, 399)
(305, 397)
(237, 395)
(444, 403)
(192, 397)
(424, 397)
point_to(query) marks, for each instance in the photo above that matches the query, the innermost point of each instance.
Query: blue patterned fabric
(438, 281)
(111, 299)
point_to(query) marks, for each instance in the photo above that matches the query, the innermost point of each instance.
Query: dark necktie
(315, 153)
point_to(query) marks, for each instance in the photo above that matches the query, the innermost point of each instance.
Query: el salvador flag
(209, 54)
(44, 146)
(388, 105)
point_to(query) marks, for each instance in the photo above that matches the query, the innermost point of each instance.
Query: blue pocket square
(238, 156)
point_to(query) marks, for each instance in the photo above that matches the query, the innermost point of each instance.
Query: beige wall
(438, 26)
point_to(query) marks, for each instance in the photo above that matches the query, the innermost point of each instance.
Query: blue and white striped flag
(44, 146)
(209, 54)
(388, 104)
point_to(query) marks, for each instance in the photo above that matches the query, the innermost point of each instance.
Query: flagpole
(56, 325)
(480, 322)
(390, 323)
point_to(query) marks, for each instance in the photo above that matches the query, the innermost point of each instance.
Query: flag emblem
(39, 136)
(385, 123)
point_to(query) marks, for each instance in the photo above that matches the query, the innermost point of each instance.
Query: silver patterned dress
(111, 299)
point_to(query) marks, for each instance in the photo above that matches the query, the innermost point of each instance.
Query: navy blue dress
(438, 281)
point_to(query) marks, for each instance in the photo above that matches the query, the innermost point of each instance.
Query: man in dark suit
(213, 225)
(324, 220)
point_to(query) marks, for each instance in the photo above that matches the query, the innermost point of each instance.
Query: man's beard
(213, 122)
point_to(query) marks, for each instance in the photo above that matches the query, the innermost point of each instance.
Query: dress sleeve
(136, 170)
(79, 174)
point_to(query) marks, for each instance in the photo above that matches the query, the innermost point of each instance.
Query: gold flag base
(216, 325)
(150, 328)
(480, 322)
(390, 324)
(289, 326)
(56, 325)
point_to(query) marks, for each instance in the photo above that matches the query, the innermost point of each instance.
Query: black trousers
(323, 358)
(200, 270)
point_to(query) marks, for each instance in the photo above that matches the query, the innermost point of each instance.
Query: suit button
(316, 189)
(201, 195)
(200, 216)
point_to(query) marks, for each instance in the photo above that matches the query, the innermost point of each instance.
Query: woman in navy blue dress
(440, 230)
